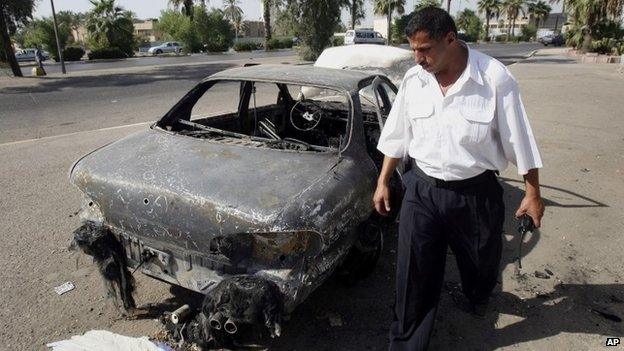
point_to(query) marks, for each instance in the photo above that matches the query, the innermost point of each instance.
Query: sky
(252, 8)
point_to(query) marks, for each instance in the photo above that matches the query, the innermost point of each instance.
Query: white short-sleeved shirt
(479, 125)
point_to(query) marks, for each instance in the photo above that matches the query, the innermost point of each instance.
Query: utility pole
(58, 43)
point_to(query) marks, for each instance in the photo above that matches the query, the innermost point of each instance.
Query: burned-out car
(253, 189)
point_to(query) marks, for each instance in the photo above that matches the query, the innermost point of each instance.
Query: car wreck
(252, 190)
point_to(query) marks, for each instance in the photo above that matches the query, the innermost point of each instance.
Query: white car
(29, 55)
(363, 36)
(389, 61)
(170, 46)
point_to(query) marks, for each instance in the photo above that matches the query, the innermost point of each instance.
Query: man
(459, 118)
(39, 58)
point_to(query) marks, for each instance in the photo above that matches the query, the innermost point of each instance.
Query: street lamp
(58, 42)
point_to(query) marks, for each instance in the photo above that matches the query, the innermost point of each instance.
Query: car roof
(296, 74)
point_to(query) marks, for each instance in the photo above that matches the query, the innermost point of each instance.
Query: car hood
(158, 184)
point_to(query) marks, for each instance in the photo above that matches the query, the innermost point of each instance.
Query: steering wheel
(308, 117)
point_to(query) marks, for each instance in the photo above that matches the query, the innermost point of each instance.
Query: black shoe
(480, 310)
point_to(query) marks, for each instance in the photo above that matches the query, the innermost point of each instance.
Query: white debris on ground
(65, 287)
(102, 340)
(390, 61)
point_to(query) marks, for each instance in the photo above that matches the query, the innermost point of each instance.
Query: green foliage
(41, 33)
(107, 53)
(314, 21)
(248, 46)
(468, 22)
(215, 32)
(500, 38)
(110, 26)
(608, 46)
(207, 30)
(338, 41)
(73, 53)
(528, 32)
(426, 3)
(398, 28)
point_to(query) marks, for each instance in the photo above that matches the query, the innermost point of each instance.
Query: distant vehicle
(552, 39)
(29, 55)
(389, 61)
(364, 36)
(170, 46)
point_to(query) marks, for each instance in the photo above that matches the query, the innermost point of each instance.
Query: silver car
(29, 55)
(170, 46)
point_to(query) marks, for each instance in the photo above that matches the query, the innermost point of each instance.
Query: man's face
(431, 54)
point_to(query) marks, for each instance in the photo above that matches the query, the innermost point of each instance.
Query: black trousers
(470, 221)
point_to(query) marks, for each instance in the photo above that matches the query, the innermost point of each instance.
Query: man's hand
(532, 206)
(381, 199)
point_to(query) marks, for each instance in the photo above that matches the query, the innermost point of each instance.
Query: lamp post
(58, 43)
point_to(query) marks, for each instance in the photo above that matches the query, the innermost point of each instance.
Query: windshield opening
(260, 114)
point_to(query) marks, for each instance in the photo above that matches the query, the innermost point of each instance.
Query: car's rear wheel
(365, 252)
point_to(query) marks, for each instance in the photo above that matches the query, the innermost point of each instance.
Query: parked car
(388, 61)
(552, 39)
(363, 36)
(248, 191)
(29, 55)
(166, 47)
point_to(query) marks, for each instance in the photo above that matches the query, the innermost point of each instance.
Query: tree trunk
(8, 48)
(390, 8)
(448, 6)
(513, 27)
(267, 23)
(487, 25)
(353, 13)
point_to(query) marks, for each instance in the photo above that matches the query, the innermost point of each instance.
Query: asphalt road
(108, 97)
(136, 62)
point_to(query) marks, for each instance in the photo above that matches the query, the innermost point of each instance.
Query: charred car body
(259, 179)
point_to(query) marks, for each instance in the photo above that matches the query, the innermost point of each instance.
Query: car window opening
(259, 114)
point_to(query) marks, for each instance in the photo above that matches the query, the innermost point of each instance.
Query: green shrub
(606, 46)
(248, 46)
(286, 43)
(106, 53)
(500, 38)
(528, 32)
(338, 41)
(274, 43)
(73, 53)
(466, 37)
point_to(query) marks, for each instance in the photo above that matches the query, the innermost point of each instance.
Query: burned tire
(365, 252)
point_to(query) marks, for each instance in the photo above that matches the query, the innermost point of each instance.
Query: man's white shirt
(479, 125)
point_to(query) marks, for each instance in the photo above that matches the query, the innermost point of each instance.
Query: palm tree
(266, 15)
(491, 8)
(106, 20)
(539, 10)
(387, 8)
(187, 6)
(426, 3)
(587, 13)
(233, 13)
(512, 8)
(356, 11)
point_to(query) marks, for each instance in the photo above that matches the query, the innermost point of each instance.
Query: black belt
(484, 177)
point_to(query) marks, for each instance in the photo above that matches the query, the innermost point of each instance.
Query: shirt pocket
(419, 114)
(477, 116)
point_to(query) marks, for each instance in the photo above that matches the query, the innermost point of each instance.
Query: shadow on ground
(365, 310)
(167, 73)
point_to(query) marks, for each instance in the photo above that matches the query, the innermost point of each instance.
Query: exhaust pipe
(215, 321)
(230, 326)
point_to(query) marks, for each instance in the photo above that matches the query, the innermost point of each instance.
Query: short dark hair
(433, 20)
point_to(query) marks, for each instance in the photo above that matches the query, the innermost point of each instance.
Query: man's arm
(381, 199)
(532, 203)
